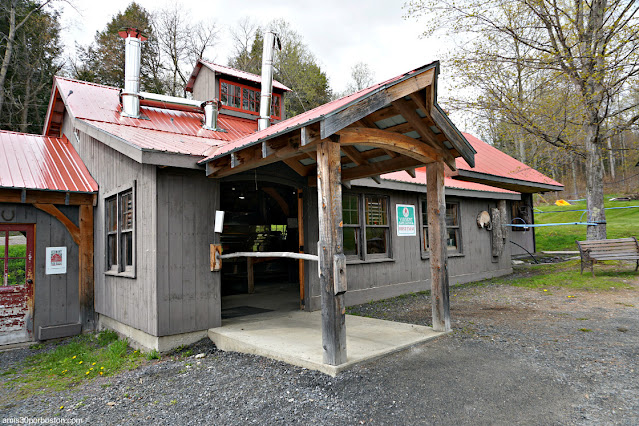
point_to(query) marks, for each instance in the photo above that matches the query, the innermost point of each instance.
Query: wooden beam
(437, 246)
(391, 141)
(369, 104)
(329, 194)
(250, 276)
(354, 155)
(86, 268)
(44, 197)
(53, 211)
(278, 199)
(408, 112)
(379, 168)
(411, 172)
(299, 168)
(454, 137)
(300, 241)
(377, 179)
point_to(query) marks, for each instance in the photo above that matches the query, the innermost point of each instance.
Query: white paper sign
(219, 221)
(56, 260)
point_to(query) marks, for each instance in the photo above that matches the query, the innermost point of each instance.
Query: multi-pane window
(350, 217)
(377, 228)
(453, 236)
(120, 228)
(365, 235)
(246, 99)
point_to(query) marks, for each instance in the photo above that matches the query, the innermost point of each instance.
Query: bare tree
(588, 50)
(181, 44)
(361, 77)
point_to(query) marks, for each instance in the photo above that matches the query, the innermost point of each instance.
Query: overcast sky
(339, 33)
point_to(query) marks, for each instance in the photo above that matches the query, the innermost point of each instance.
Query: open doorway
(259, 217)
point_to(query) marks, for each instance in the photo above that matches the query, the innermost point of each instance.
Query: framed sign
(406, 225)
(56, 260)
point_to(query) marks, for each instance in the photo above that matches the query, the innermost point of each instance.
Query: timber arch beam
(395, 142)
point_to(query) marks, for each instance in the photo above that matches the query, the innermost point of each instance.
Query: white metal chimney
(210, 114)
(132, 57)
(270, 38)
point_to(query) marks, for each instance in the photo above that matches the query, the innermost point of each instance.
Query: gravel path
(516, 356)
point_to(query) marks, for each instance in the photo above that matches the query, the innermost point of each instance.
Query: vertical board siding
(132, 301)
(56, 296)
(407, 269)
(188, 292)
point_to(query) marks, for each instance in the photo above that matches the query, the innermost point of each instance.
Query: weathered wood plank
(454, 137)
(45, 197)
(437, 242)
(329, 198)
(399, 143)
(86, 269)
(300, 241)
(73, 229)
(250, 275)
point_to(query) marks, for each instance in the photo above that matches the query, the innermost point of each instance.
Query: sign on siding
(406, 225)
(56, 260)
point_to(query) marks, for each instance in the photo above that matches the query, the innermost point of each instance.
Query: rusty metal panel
(16, 288)
(42, 163)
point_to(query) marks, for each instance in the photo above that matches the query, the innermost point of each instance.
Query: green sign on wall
(406, 225)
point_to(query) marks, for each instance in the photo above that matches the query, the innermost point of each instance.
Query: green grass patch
(621, 223)
(16, 267)
(66, 365)
(566, 275)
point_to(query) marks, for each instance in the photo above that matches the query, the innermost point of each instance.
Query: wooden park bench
(594, 251)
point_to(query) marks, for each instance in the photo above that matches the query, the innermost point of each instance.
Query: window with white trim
(120, 232)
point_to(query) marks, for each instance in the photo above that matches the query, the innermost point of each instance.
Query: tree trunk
(611, 157)
(6, 60)
(573, 166)
(594, 188)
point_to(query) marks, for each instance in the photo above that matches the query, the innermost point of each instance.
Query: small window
(120, 229)
(351, 227)
(247, 99)
(367, 238)
(377, 228)
(453, 235)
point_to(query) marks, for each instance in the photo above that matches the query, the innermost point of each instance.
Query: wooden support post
(300, 235)
(329, 195)
(437, 242)
(249, 275)
(86, 279)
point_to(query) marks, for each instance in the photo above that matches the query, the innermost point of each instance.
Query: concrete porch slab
(296, 338)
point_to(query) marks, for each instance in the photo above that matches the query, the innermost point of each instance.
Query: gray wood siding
(408, 271)
(188, 292)
(56, 296)
(204, 87)
(132, 301)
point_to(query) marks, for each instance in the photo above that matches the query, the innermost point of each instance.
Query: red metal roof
(228, 71)
(294, 122)
(491, 161)
(42, 163)
(160, 129)
(420, 179)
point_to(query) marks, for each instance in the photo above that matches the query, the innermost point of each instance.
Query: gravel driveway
(516, 356)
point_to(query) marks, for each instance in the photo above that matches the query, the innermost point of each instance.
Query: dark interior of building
(259, 217)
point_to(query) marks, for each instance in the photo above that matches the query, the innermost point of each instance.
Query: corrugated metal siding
(42, 163)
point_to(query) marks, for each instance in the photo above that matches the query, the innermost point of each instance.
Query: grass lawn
(544, 277)
(621, 223)
(81, 358)
(16, 266)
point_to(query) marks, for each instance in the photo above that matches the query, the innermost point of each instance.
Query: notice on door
(56, 260)
(406, 225)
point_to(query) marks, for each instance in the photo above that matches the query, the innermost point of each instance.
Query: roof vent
(270, 38)
(132, 57)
